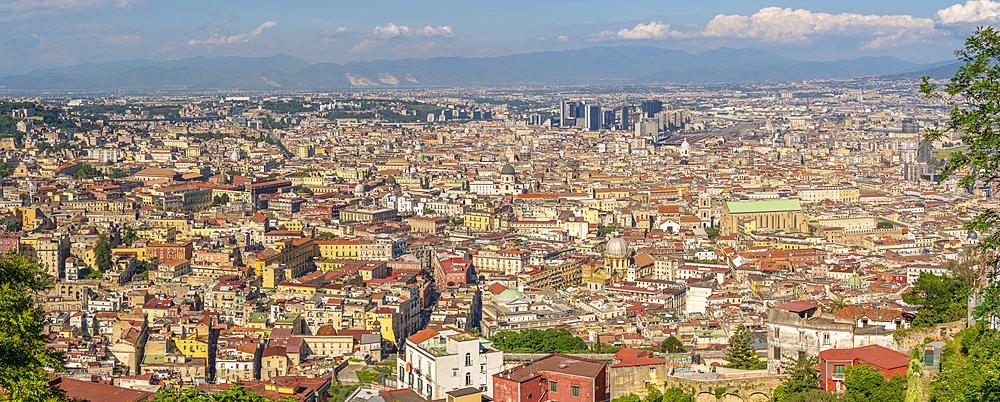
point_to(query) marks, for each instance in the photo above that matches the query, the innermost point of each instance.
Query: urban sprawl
(577, 244)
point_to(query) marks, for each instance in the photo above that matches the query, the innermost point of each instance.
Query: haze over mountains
(596, 65)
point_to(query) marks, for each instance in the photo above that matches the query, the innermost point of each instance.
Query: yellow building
(194, 346)
(480, 221)
(31, 218)
(345, 249)
(385, 320)
(293, 225)
(287, 260)
(140, 252)
(160, 234)
(182, 225)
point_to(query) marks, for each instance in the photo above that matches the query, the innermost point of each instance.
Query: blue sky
(53, 33)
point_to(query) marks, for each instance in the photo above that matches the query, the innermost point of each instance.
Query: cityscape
(516, 227)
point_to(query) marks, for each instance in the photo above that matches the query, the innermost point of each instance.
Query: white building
(442, 360)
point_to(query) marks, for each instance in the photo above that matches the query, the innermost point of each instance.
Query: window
(552, 386)
(454, 372)
(468, 378)
(826, 338)
(576, 390)
(802, 336)
(838, 370)
(777, 332)
(468, 359)
(777, 353)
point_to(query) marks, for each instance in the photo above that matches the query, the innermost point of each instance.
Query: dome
(390, 180)
(507, 169)
(503, 158)
(359, 189)
(685, 145)
(617, 246)
(509, 294)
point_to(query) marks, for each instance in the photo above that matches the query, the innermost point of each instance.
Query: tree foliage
(102, 253)
(129, 235)
(970, 370)
(884, 225)
(974, 96)
(672, 394)
(941, 299)
(235, 394)
(802, 377)
(740, 353)
(538, 341)
(672, 345)
(865, 384)
(23, 355)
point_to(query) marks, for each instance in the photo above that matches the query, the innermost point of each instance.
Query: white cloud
(562, 38)
(654, 30)
(330, 35)
(972, 12)
(396, 31)
(541, 39)
(221, 38)
(784, 25)
(391, 31)
(442, 31)
(367, 45)
(262, 27)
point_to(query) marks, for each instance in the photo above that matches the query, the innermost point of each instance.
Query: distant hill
(595, 65)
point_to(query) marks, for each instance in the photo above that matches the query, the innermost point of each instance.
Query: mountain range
(595, 65)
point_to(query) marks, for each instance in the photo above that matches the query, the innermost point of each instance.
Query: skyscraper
(650, 107)
(624, 122)
(592, 116)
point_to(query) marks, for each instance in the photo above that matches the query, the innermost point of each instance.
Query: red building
(9, 242)
(555, 377)
(453, 271)
(167, 252)
(833, 363)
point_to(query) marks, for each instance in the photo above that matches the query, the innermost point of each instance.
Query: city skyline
(45, 34)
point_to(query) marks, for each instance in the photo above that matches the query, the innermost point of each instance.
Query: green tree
(815, 395)
(676, 394)
(741, 353)
(838, 303)
(974, 94)
(884, 225)
(234, 394)
(102, 253)
(672, 345)
(941, 299)
(712, 232)
(304, 190)
(970, 369)
(802, 376)
(865, 384)
(23, 355)
(129, 236)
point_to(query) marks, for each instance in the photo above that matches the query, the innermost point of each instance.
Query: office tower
(592, 117)
(624, 122)
(650, 108)
(647, 128)
(608, 119)
(569, 111)
(924, 149)
(910, 126)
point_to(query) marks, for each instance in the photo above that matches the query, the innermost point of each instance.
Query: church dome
(507, 169)
(359, 189)
(508, 295)
(617, 246)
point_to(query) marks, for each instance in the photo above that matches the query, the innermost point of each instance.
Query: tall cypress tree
(740, 352)
(102, 253)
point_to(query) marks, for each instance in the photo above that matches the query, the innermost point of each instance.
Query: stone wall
(912, 338)
(750, 389)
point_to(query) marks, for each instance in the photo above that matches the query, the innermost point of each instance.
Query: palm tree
(838, 303)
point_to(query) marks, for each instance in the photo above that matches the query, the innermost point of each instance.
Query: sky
(54, 33)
